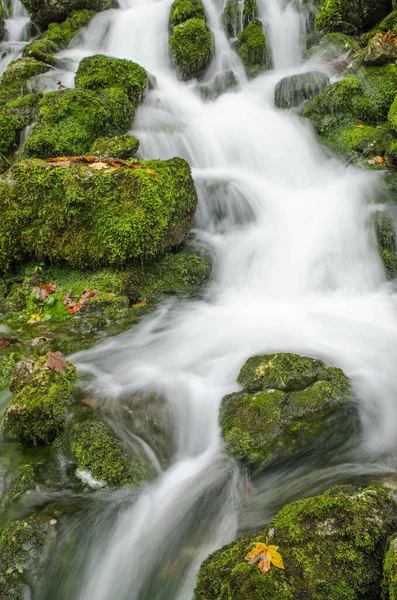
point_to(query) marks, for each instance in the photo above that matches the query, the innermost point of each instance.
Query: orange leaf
(56, 361)
(265, 556)
(360, 126)
(140, 304)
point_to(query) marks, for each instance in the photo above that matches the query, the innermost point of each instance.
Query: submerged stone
(293, 90)
(36, 412)
(221, 84)
(332, 546)
(286, 405)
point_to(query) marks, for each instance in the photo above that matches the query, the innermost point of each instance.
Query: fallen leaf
(360, 126)
(376, 160)
(140, 304)
(56, 361)
(98, 166)
(5, 342)
(265, 556)
(73, 307)
(33, 319)
(53, 522)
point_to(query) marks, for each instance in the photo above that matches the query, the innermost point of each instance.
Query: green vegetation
(191, 46)
(351, 15)
(40, 395)
(332, 546)
(45, 12)
(183, 10)
(252, 48)
(121, 147)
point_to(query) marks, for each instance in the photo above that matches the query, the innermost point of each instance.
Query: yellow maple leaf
(265, 556)
(33, 318)
(360, 126)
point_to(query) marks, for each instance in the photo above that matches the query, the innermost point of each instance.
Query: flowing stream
(295, 269)
(16, 31)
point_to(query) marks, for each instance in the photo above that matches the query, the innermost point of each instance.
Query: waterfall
(16, 25)
(296, 269)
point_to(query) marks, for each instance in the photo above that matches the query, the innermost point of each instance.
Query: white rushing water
(295, 269)
(16, 29)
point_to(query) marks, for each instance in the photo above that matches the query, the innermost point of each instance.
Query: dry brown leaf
(5, 342)
(140, 304)
(56, 361)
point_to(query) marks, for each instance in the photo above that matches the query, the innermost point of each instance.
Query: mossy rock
(392, 115)
(25, 545)
(379, 52)
(191, 46)
(331, 45)
(221, 84)
(183, 10)
(44, 12)
(18, 73)
(332, 546)
(232, 18)
(389, 583)
(101, 72)
(97, 451)
(351, 15)
(385, 230)
(354, 143)
(364, 98)
(102, 217)
(122, 147)
(252, 48)
(286, 405)
(57, 37)
(37, 409)
(292, 91)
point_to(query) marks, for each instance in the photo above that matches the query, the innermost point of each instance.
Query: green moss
(332, 547)
(183, 10)
(8, 360)
(122, 147)
(250, 11)
(331, 45)
(232, 18)
(386, 237)
(102, 217)
(389, 584)
(96, 450)
(347, 15)
(8, 133)
(284, 406)
(58, 36)
(40, 395)
(22, 555)
(24, 110)
(191, 46)
(13, 81)
(252, 49)
(101, 72)
(330, 15)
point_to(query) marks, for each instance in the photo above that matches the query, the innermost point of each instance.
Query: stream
(296, 269)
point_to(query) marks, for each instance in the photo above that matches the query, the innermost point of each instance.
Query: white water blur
(16, 24)
(295, 269)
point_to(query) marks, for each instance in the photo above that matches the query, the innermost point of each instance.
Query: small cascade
(16, 32)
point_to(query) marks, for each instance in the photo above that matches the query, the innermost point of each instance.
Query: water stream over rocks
(296, 269)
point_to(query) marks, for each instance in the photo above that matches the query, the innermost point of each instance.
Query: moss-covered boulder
(100, 457)
(40, 395)
(221, 84)
(122, 147)
(103, 216)
(332, 546)
(238, 15)
(183, 10)
(351, 15)
(331, 46)
(293, 90)
(252, 48)
(285, 405)
(107, 93)
(364, 98)
(13, 82)
(25, 545)
(191, 46)
(380, 51)
(57, 37)
(44, 12)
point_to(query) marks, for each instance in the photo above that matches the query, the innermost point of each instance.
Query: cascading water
(16, 25)
(295, 269)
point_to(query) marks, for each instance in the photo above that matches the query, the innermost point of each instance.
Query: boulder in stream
(286, 404)
(332, 546)
(292, 91)
(191, 45)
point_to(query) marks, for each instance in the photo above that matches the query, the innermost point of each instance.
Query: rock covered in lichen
(332, 546)
(295, 89)
(38, 406)
(44, 12)
(252, 48)
(285, 405)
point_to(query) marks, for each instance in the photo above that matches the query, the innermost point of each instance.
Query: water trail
(295, 269)
(16, 28)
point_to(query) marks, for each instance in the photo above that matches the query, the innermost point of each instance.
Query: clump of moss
(122, 147)
(252, 49)
(95, 449)
(40, 395)
(389, 583)
(386, 237)
(183, 10)
(285, 406)
(57, 37)
(46, 12)
(18, 73)
(332, 546)
(102, 217)
(191, 46)
(24, 545)
(331, 45)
